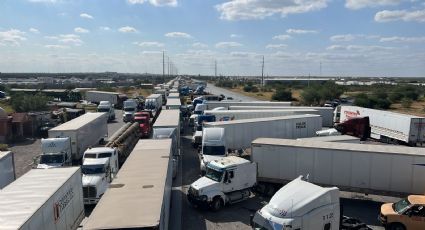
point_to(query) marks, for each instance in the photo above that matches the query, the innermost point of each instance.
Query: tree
(282, 95)
(27, 103)
(310, 96)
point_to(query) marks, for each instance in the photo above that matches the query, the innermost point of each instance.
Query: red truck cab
(358, 127)
(144, 120)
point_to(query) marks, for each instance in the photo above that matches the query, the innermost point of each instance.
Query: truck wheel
(217, 204)
(397, 226)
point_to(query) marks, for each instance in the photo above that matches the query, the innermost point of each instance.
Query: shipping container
(327, 113)
(139, 198)
(387, 126)
(84, 131)
(7, 168)
(227, 103)
(365, 168)
(240, 133)
(50, 199)
(229, 115)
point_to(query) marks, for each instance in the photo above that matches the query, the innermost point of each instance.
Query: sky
(371, 38)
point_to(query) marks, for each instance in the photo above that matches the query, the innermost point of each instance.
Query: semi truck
(229, 115)
(219, 138)
(387, 126)
(7, 168)
(100, 165)
(43, 199)
(108, 108)
(154, 103)
(228, 103)
(304, 205)
(67, 142)
(130, 108)
(140, 196)
(327, 113)
(98, 96)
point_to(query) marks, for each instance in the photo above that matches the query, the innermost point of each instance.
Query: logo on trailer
(52, 145)
(60, 205)
(300, 125)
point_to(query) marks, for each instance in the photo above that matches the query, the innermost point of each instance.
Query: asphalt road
(236, 96)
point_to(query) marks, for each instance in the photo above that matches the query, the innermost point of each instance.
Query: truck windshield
(214, 174)
(214, 150)
(92, 169)
(105, 155)
(129, 109)
(51, 159)
(90, 155)
(401, 206)
(103, 110)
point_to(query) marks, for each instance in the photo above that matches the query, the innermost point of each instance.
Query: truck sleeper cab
(227, 180)
(96, 178)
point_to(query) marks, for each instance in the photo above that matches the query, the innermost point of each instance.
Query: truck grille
(89, 191)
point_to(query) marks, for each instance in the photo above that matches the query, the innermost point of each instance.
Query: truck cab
(143, 118)
(104, 152)
(408, 213)
(213, 146)
(300, 205)
(56, 152)
(130, 108)
(107, 107)
(227, 180)
(96, 178)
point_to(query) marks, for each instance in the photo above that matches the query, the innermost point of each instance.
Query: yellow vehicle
(406, 214)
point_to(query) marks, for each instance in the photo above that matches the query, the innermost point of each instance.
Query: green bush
(282, 95)
(247, 88)
(28, 103)
(255, 89)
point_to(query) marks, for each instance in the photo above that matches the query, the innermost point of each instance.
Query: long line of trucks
(67, 142)
(226, 104)
(219, 138)
(43, 199)
(140, 196)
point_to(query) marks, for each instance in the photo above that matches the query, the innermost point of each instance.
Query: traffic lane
(116, 124)
(236, 96)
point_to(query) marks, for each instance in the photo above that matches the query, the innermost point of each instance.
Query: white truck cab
(107, 107)
(96, 178)
(100, 166)
(213, 146)
(56, 152)
(129, 109)
(227, 180)
(300, 205)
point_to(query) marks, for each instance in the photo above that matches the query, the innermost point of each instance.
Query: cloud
(127, 29)
(359, 4)
(105, 28)
(71, 39)
(400, 15)
(343, 38)
(282, 37)
(359, 48)
(56, 47)
(402, 39)
(260, 9)
(34, 30)
(44, 1)
(228, 45)
(276, 46)
(243, 54)
(86, 16)
(152, 52)
(177, 35)
(81, 30)
(11, 37)
(235, 36)
(199, 45)
(155, 2)
(149, 44)
(298, 31)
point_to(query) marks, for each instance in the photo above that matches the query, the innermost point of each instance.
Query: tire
(397, 226)
(217, 204)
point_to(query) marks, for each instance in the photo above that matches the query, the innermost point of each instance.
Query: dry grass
(136, 92)
(8, 108)
(265, 96)
(417, 108)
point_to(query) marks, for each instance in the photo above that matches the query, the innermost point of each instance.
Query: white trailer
(334, 138)
(140, 196)
(43, 199)
(84, 131)
(7, 168)
(240, 133)
(98, 96)
(327, 113)
(169, 119)
(365, 168)
(227, 104)
(173, 94)
(173, 103)
(154, 101)
(385, 125)
(229, 115)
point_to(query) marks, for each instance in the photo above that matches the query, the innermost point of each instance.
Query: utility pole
(163, 66)
(262, 73)
(215, 68)
(168, 66)
(320, 69)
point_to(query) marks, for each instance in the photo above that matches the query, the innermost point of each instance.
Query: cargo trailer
(327, 113)
(228, 103)
(140, 196)
(334, 138)
(173, 94)
(364, 168)
(43, 199)
(387, 126)
(154, 102)
(173, 103)
(98, 96)
(7, 168)
(229, 115)
(169, 119)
